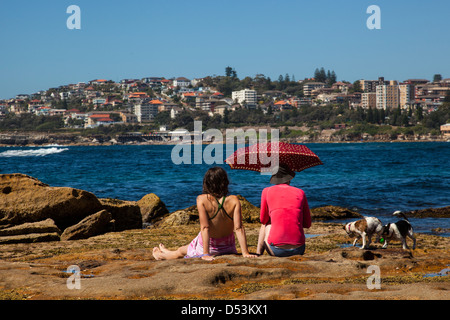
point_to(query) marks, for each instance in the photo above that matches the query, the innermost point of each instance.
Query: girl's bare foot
(158, 254)
(163, 248)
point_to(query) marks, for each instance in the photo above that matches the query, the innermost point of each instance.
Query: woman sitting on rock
(219, 216)
(284, 214)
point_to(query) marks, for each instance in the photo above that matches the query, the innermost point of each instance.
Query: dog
(368, 226)
(399, 231)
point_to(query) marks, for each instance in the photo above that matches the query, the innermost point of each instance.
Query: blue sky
(135, 39)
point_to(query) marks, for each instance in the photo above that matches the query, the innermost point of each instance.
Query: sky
(197, 38)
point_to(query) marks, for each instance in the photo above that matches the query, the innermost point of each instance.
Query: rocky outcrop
(430, 213)
(93, 225)
(39, 138)
(45, 230)
(178, 218)
(45, 226)
(250, 214)
(32, 211)
(333, 213)
(152, 208)
(30, 238)
(26, 199)
(126, 214)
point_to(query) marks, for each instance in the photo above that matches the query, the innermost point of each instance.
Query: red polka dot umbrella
(262, 156)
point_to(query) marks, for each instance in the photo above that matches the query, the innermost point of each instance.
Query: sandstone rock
(332, 213)
(45, 226)
(178, 218)
(250, 214)
(374, 253)
(152, 208)
(30, 238)
(90, 226)
(123, 268)
(430, 213)
(440, 230)
(126, 214)
(25, 199)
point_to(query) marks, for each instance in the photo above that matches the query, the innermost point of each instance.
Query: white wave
(54, 145)
(32, 152)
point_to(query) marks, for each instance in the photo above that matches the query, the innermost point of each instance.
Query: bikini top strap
(220, 206)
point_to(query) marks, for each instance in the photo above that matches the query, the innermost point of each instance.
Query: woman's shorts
(281, 252)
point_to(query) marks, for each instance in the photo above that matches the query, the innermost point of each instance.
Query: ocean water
(372, 178)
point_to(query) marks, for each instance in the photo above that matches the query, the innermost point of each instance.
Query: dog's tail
(400, 214)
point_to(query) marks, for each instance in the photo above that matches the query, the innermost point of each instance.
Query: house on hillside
(445, 130)
(282, 105)
(96, 120)
(181, 82)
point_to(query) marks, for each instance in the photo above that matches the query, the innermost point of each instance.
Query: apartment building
(309, 87)
(145, 112)
(248, 96)
(387, 96)
(369, 100)
(406, 94)
(371, 85)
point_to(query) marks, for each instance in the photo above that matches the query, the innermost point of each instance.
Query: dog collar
(348, 227)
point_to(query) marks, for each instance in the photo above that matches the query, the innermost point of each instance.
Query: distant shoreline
(204, 143)
(33, 139)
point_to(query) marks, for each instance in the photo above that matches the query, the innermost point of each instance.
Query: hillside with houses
(306, 108)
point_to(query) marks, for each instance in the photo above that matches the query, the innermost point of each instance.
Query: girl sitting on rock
(220, 216)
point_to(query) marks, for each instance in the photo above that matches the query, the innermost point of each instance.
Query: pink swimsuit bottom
(225, 245)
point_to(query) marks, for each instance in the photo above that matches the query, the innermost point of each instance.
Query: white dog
(367, 226)
(399, 231)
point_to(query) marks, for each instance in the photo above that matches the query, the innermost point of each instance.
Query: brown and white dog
(399, 231)
(368, 226)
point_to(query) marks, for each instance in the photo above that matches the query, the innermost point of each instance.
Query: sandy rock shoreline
(41, 139)
(119, 265)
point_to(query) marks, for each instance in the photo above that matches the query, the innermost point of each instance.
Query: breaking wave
(41, 152)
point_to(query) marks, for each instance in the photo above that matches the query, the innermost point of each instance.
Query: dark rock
(126, 214)
(90, 226)
(430, 213)
(332, 213)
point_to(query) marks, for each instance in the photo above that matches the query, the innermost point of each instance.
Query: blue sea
(372, 178)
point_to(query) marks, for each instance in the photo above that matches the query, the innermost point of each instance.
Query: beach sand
(119, 265)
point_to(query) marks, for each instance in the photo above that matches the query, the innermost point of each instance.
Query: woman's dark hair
(215, 182)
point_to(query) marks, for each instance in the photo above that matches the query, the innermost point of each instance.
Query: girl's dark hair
(215, 182)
